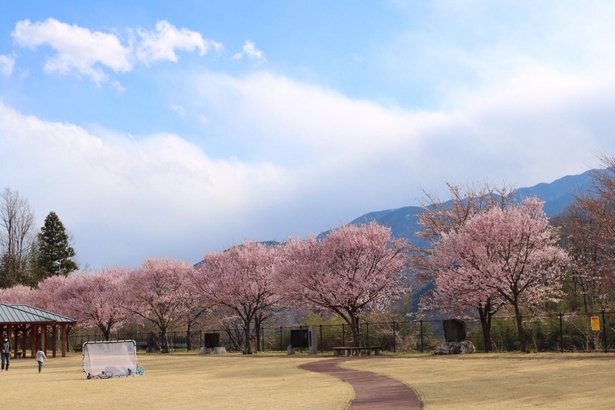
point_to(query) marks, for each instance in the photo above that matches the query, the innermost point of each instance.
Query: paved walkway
(372, 391)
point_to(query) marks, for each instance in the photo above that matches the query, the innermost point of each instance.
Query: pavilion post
(44, 338)
(9, 335)
(33, 339)
(54, 340)
(63, 340)
(24, 341)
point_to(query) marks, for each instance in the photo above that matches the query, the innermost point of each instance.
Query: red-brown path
(372, 391)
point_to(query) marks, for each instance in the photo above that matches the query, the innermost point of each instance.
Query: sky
(172, 129)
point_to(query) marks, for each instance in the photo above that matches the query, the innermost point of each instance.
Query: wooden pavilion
(29, 327)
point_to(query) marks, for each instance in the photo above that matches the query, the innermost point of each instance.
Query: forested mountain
(403, 222)
(557, 195)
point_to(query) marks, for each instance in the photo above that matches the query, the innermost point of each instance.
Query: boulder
(153, 343)
(464, 347)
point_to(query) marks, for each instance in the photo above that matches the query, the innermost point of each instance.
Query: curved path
(372, 391)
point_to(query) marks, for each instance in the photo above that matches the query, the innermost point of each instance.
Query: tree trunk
(189, 336)
(106, 331)
(520, 331)
(356, 331)
(165, 339)
(258, 328)
(485, 322)
(248, 340)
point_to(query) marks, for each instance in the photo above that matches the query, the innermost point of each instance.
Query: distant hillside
(403, 222)
(558, 195)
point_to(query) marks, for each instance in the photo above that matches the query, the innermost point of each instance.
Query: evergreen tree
(54, 251)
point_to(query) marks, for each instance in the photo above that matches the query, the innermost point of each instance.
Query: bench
(355, 350)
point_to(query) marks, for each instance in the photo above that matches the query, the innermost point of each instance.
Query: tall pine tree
(54, 251)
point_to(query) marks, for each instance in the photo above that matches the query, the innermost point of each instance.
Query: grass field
(191, 381)
(504, 381)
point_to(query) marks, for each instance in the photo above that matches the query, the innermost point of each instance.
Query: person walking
(5, 353)
(40, 356)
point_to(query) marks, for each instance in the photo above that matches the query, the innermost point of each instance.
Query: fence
(561, 332)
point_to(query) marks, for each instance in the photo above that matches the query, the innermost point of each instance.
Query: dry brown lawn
(175, 381)
(191, 381)
(504, 381)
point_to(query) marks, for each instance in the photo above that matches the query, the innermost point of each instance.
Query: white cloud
(92, 53)
(156, 192)
(179, 110)
(468, 46)
(312, 159)
(529, 129)
(78, 50)
(518, 104)
(203, 119)
(161, 44)
(7, 63)
(250, 51)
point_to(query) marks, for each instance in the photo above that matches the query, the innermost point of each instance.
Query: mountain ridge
(404, 221)
(558, 195)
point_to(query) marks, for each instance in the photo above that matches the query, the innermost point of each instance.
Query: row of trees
(499, 257)
(27, 257)
(352, 271)
(487, 252)
(588, 234)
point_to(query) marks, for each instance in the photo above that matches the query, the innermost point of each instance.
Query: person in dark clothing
(5, 352)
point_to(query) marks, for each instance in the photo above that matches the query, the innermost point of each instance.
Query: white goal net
(110, 359)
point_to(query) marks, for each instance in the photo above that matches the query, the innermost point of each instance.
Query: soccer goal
(117, 358)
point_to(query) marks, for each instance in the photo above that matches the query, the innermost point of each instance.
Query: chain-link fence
(556, 333)
(575, 332)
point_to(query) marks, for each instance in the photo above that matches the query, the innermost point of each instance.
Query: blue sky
(159, 129)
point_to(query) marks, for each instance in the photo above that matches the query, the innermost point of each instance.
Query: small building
(29, 328)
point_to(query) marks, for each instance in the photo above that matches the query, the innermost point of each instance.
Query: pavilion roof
(25, 314)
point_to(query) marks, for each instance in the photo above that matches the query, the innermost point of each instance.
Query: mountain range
(558, 195)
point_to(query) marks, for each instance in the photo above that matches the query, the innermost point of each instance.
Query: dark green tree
(55, 254)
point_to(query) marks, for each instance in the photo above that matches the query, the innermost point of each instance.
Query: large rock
(456, 348)
(153, 343)
(454, 330)
(215, 350)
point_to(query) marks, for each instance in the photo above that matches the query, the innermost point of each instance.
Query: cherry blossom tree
(352, 270)
(93, 299)
(243, 279)
(510, 253)
(459, 290)
(589, 234)
(48, 293)
(157, 292)
(18, 294)
(440, 217)
(590, 281)
(194, 308)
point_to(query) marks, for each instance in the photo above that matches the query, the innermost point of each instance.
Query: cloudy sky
(172, 129)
